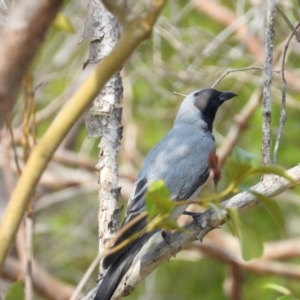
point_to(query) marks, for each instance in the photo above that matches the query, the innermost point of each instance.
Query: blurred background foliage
(193, 44)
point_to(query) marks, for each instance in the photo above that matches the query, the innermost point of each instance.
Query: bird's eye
(196, 94)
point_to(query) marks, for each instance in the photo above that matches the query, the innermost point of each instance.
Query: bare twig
(176, 93)
(238, 70)
(293, 29)
(283, 97)
(28, 255)
(259, 265)
(13, 145)
(108, 251)
(43, 284)
(226, 17)
(86, 276)
(267, 109)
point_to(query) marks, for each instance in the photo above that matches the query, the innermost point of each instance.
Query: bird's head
(201, 106)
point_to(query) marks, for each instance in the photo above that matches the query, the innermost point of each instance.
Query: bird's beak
(226, 96)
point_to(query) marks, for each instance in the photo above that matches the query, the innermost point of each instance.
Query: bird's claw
(197, 217)
(166, 237)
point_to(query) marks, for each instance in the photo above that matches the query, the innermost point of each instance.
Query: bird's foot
(196, 217)
(166, 236)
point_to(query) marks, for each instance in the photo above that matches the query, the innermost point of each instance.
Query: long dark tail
(119, 268)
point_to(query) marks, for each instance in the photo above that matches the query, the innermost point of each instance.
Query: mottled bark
(267, 90)
(104, 120)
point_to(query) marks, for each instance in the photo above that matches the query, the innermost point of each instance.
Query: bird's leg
(196, 217)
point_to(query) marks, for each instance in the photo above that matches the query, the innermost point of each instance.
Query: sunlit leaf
(272, 207)
(168, 223)
(278, 288)
(250, 242)
(252, 245)
(15, 291)
(287, 297)
(62, 23)
(157, 199)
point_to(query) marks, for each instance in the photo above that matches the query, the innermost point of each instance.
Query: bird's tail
(119, 268)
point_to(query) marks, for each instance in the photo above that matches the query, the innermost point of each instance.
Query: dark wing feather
(134, 207)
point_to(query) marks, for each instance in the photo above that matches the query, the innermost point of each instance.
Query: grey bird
(181, 160)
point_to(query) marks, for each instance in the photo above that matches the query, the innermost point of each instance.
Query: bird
(180, 159)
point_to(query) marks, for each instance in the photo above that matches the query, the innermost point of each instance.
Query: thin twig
(183, 95)
(28, 111)
(238, 70)
(86, 276)
(13, 144)
(109, 250)
(293, 29)
(283, 97)
(28, 254)
(44, 284)
(266, 108)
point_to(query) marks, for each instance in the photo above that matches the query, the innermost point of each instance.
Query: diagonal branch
(271, 186)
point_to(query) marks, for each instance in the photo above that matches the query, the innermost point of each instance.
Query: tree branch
(22, 36)
(43, 284)
(283, 96)
(271, 186)
(104, 121)
(267, 90)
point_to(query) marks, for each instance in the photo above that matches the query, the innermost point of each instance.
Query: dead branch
(22, 36)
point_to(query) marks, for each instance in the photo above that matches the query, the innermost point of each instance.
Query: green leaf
(287, 297)
(168, 223)
(237, 170)
(272, 170)
(157, 199)
(243, 156)
(62, 23)
(278, 288)
(272, 207)
(15, 291)
(250, 242)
